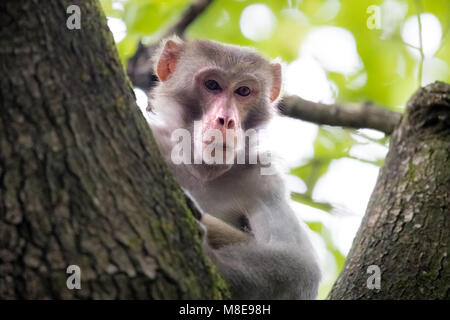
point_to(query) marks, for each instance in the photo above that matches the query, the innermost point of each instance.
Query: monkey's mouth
(221, 146)
(217, 151)
(217, 145)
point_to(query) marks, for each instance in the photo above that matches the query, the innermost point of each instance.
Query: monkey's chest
(228, 205)
(231, 200)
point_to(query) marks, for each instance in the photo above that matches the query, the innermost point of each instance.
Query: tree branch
(194, 10)
(362, 115)
(139, 66)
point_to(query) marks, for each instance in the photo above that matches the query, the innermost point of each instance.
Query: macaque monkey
(252, 234)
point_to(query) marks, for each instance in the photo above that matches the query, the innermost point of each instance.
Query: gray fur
(279, 262)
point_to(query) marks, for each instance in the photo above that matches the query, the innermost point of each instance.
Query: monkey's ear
(276, 81)
(168, 59)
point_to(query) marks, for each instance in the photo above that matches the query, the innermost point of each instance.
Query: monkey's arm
(220, 233)
(279, 262)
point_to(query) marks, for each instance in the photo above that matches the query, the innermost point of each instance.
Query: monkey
(252, 234)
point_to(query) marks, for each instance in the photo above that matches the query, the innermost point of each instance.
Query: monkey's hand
(220, 233)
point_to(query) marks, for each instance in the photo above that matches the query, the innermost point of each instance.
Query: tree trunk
(406, 229)
(81, 180)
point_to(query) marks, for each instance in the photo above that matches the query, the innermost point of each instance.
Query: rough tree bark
(406, 228)
(81, 180)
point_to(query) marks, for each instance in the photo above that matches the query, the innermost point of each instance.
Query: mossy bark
(81, 180)
(406, 229)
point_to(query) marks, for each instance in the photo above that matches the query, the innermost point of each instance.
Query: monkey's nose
(229, 122)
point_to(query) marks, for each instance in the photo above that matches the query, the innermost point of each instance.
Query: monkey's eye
(243, 91)
(212, 85)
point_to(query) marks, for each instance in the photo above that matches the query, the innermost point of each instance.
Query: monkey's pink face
(219, 92)
(225, 101)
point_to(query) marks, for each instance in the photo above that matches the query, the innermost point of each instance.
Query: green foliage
(389, 73)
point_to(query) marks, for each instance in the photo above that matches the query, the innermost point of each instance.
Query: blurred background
(332, 51)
